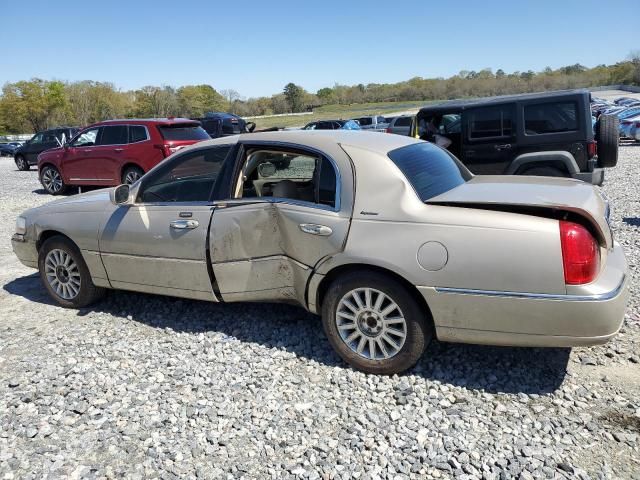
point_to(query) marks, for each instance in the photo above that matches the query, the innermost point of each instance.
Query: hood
(94, 201)
(533, 193)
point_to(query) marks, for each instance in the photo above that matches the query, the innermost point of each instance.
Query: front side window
(86, 138)
(36, 139)
(490, 122)
(114, 135)
(550, 118)
(190, 177)
(289, 175)
(429, 169)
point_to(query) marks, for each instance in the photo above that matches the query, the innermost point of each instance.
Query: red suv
(116, 151)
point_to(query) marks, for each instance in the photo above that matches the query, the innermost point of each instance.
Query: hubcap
(131, 177)
(371, 324)
(62, 274)
(52, 180)
(20, 162)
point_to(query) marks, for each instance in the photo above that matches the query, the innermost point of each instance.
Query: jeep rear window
(550, 118)
(430, 170)
(183, 131)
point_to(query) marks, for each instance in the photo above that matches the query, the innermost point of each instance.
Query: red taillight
(167, 149)
(592, 148)
(388, 130)
(580, 254)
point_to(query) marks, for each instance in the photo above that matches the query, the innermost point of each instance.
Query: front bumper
(25, 250)
(534, 320)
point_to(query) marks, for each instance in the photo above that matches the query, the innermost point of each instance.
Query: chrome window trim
(295, 146)
(538, 296)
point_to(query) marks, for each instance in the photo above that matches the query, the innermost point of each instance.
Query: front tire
(374, 323)
(65, 274)
(131, 175)
(22, 163)
(52, 181)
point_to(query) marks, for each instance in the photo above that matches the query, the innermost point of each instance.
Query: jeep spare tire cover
(607, 139)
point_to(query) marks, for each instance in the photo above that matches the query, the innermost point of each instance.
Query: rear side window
(364, 121)
(550, 118)
(137, 133)
(403, 122)
(113, 135)
(429, 169)
(491, 122)
(183, 131)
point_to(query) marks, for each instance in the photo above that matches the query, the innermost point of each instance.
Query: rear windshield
(430, 170)
(183, 131)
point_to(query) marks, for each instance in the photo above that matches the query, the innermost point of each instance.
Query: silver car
(390, 239)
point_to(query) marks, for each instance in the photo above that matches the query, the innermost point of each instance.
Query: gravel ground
(147, 386)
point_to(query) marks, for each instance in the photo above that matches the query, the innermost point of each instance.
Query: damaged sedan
(390, 239)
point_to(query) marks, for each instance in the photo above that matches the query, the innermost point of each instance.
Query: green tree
(196, 100)
(32, 103)
(325, 95)
(295, 97)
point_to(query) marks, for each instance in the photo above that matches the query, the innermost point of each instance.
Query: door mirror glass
(267, 169)
(120, 194)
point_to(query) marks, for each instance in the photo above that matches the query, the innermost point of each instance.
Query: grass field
(338, 112)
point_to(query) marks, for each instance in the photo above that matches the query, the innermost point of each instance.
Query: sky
(256, 47)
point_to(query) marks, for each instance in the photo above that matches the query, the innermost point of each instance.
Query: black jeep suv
(27, 154)
(548, 134)
(220, 124)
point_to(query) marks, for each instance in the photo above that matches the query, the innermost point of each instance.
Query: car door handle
(505, 146)
(118, 149)
(184, 224)
(314, 229)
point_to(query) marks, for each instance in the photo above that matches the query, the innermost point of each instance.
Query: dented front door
(265, 250)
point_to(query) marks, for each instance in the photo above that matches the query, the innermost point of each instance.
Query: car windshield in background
(183, 132)
(430, 170)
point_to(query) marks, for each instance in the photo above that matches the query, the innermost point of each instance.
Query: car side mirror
(120, 195)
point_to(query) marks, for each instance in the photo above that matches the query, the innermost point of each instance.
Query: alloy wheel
(371, 324)
(52, 180)
(131, 177)
(62, 274)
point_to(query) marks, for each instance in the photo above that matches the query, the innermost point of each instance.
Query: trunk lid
(531, 195)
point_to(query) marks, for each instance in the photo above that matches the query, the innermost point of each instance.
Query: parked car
(27, 154)
(625, 101)
(374, 122)
(219, 124)
(8, 148)
(400, 125)
(116, 151)
(634, 130)
(627, 124)
(217, 221)
(547, 134)
(332, 125)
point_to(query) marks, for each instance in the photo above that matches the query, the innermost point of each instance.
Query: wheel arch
(50, 233)
(130, 164)
(561, 160)
(319, 293)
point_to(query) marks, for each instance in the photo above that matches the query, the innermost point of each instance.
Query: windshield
(430, 169)
(183, 131)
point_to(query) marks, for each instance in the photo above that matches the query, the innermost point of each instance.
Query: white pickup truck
(375, 122)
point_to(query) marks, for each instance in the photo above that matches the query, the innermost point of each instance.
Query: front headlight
(21, 225)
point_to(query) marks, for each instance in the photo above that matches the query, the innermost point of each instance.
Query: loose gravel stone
(144, 386)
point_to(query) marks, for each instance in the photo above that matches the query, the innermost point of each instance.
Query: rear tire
(22, 163)
(389, 341)
(52, 181)
(131, 175)
(65, 274)
(545, 172)
(608, 138)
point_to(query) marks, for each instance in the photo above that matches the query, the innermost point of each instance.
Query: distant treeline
(37, 104)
